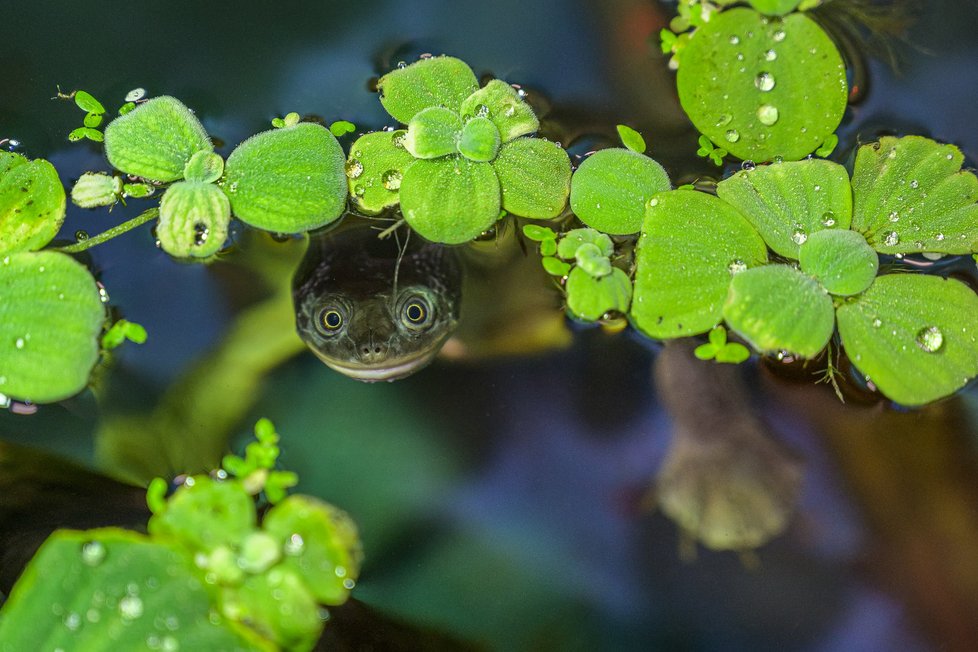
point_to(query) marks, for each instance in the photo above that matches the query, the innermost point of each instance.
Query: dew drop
(828, 219)
(509, 111)
(764, 81)
(770, 55)
(799, 237)
(130, 607)
(354, 168)
(358, 191)
(294, 545)
(891, 239)
(939, 237)
(930, 339)
(877, 322)
(914, 184)
(724, 119)
(93, 553)
(732, 135)
(748, 166)
(653, 202)
(894, 216)
(734, 40)
(767, 114)
(391, 179)
(81, 236)
(482, 111)
(72, 621)
(778, 36)
(19, 342)
(737, 266)
(397, 140)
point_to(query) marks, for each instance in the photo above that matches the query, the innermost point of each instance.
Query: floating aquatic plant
(464, 157)
(702, 259)
(207, 576)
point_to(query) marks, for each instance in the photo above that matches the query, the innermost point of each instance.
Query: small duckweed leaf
(50, 321)
(450, 200)
(504, 106)
(914, 336)
(433, 132)
(138, 190)
(589, 258)
(479, 140)
(194, 218)
(375, 169)
(87, 103)
(631, 139)
(287, 180)
(611, 189)
(570, 241)
(121, 331)
(705, 351)
(535, 176)
(321, 545)
(911, 195)
(279, 605)
(788, 202)
(32, 203)
(95, 189)
(207, 514)
(692, 244)
(92, 120)
(438, 81)
(842, 261)
(732, 353)
(84, 589)
(538, 233)
(555, 266)
(156, 139)
(827, 147)
(590, 298)
(775, 7)
(342, 127)
(205, 167)
(718, 337)
(126, 108)
(762, 88)
(548, 247)
(778, 308)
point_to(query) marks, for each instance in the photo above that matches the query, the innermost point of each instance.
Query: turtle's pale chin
(389, 370)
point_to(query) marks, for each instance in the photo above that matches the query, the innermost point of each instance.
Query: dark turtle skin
(363, 319)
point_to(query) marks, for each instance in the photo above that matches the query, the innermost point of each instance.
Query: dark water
(501, 501)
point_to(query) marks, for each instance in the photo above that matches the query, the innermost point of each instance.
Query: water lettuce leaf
(436, 81)
(32, 203)
(610, 189)
(535, 176)
(375, 169)
(451, 199)
(504, 106)
(194, 218)
(842, 261)
(433, 132)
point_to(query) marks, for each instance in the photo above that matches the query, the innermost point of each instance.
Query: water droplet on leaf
(892, 238)
(354, 168)
(767, 115)
(764, 81)
(391, 179)
(799, 237)
(732, 135)
(930, 339)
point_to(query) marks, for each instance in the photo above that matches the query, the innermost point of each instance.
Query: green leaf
(112, 589)
(762, 88)
(911, 195)
(287, 180)
(87, 103)
(450, 200)
(611, 188)
(591, 298)
(206, 514)
(502, 104)
(842, 261)
(433, 133)
(375, 169)
(437, 81)
(205, 167)
(718, 337)
(479, 140)
(775, 7)
(121, 331)
(279, 605)
(914, 336)
(548, 247)
(341, 127)
(827, 147)
(321, 545)
(32, 203)
(590, 259)
(138, 190)
(631, 139)
(95, 189)
(86, 132)
(155, 140)
(535, 176)
(194, 218)
(126, 108)
(573, 239)
(778, 308)
(92, 120)
(788, 202)
(555, 266)
(692, 244)
(732, 353)
(705, 351)
(50, 320)
(538, 233)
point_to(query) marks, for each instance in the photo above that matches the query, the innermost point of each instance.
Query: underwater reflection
(375, 308)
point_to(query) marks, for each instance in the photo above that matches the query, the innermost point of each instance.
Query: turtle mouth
(389, 370)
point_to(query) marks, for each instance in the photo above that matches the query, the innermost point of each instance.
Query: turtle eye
(416, 313)
(330, 320)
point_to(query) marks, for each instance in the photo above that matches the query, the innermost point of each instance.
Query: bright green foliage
(206, 513)
(762, 88)
(50, 320)
(611, 188)
(501, 103)
(436, 81)
(450, 199)
(631, 139)
(842, 261)
(290, 120)
(433, 132)
(573, 240)
(287, 180)
(138, 190)
(787, 202)
(95, 189)
(194, 219)
(535, 176)
(121, 331)
(539, 233)
(479, 140)
(692, 244)
(911, 195)
(204, 167)
(155, 140)
(342, 127)
(255, 468)
(375, 186)
(554, 266)
(592, 260)
(915, 337)
(111, 589)
(719, 349)
(778, 308)
(86, 132)
(707, 150)
(87, 103)
(828, 146)
(775, 7)
(94, 114)
(32, 203)
(590, 297)
(279, 605)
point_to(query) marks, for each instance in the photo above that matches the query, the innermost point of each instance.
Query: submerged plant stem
(142, 218)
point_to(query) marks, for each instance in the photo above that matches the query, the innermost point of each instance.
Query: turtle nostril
(377, 349)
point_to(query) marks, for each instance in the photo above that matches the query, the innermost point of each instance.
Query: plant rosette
(703, 259)
(464, 157)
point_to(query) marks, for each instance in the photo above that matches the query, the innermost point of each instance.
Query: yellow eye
(416, 312)
(331, 319)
